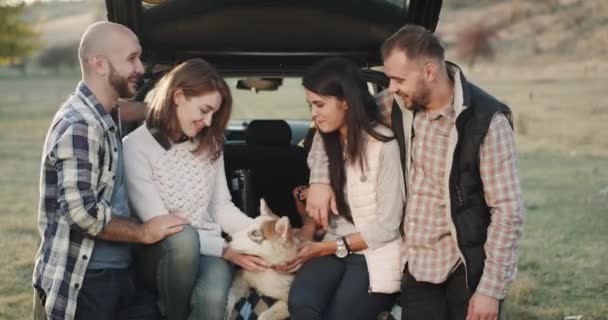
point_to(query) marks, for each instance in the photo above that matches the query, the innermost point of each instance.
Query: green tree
(18, 39)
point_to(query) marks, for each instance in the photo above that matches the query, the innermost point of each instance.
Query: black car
(262, 47)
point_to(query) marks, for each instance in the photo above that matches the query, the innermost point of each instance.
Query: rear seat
(268, 167)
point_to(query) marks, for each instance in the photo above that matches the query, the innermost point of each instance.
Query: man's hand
(320, 199)
(160, 227)
(246, 261)
(482, 308)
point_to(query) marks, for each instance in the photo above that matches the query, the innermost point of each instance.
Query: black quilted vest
(470, 213)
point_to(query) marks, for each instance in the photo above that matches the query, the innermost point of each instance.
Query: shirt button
(84, 257)
(77, 286)
(412, 224)
(412, 250)
(115, 149)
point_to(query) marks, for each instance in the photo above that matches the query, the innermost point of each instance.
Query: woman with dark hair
(174, 164)
(355, 271)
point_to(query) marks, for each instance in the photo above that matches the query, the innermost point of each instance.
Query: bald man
(82, 266)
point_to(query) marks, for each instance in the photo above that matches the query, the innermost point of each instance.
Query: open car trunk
(268, 37)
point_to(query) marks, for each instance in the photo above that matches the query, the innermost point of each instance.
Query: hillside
(565, 31)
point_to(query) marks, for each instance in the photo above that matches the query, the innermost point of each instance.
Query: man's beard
(121, 84)
(421, 97)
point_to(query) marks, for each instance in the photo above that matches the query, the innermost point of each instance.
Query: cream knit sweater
(176, 181)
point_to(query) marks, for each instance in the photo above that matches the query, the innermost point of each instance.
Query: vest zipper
(464, 262)
(459, 195)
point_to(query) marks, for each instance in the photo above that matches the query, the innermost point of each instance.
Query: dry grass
(563, 249)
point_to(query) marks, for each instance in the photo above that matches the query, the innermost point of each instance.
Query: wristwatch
(341, 250)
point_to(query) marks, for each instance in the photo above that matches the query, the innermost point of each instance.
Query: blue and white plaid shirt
(76, 182)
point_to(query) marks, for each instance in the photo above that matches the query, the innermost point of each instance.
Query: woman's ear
(344, 104)
(178, 97)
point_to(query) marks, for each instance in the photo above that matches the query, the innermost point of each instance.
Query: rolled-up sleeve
(75, 158)
(390, 197)
(318, 161)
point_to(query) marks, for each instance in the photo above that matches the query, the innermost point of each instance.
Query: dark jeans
(108, 294)
(424, 300)
(189, 285)
(333, 288)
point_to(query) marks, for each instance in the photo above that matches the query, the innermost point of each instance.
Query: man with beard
(82, 268)
(464, 210)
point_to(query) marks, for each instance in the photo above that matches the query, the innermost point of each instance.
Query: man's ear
(283, 228)
(98, 65)
(431, 71)
(178, 97)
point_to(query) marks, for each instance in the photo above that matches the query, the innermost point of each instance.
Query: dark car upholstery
(268, 166)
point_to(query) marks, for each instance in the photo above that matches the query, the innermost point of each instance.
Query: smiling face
(408, 79)
(125, 67)
(328, 113)
(194, 114)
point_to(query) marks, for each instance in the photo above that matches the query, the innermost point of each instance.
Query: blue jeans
(210, 293)
(332, 288)
(189, 285)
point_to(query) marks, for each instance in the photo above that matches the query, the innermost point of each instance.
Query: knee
(182, 248)
(300, 307)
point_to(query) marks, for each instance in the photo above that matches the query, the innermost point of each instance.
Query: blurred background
(547, 59)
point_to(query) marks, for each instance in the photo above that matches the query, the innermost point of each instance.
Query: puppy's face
(269, 237)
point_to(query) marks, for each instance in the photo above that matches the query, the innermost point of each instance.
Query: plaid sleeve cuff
(492, 287)
(318, 162)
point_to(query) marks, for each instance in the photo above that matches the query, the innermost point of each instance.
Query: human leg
(421, 300)
(352, 299)
(313, 287)
(210, 293)
(170, 268)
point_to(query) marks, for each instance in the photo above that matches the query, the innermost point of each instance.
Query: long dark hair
(340, 78)
(194, 77)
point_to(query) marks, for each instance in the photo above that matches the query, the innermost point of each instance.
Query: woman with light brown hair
(174, 164)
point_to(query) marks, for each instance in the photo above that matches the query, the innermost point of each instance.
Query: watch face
(341, 251)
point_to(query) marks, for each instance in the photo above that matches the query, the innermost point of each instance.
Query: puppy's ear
(265, 211)
(283, 229)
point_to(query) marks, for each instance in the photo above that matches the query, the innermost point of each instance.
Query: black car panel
(264, 37)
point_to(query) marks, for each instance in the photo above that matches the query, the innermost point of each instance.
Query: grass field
(564, 167)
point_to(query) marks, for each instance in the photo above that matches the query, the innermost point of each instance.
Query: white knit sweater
(176, 181)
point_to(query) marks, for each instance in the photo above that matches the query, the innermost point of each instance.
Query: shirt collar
(106, 119)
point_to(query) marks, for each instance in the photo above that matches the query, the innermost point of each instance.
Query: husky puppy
(272, 239)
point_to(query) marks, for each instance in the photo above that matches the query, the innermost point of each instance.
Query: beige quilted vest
(384, 263)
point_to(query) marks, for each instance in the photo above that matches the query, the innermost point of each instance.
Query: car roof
(264, 37)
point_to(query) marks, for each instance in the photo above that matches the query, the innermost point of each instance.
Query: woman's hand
(246, 261)
(299, 195)
(308, 250)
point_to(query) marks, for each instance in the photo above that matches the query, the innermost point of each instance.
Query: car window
(287, 102)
